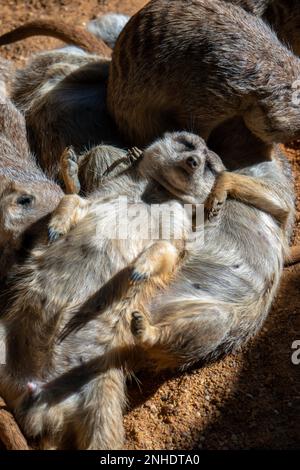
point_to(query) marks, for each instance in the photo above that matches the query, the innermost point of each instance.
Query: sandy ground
(249, 400)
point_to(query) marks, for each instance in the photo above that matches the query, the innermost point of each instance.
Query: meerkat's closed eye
(187, 143)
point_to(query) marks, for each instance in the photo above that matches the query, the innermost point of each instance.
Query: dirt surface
(249, 400)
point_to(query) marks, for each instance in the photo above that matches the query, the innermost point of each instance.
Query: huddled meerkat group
(82, 309)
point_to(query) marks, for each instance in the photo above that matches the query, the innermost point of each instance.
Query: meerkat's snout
(192, 163)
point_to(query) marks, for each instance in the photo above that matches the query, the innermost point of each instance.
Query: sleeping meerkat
(72, 331)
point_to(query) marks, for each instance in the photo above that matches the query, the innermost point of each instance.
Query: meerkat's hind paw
(138, 324)
(142, 268)
(142, 330)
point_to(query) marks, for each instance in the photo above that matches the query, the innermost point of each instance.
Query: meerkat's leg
(70, 211)
(159, 260)
(190, 332)
(69, 171)
(87, 170)
(261, 194)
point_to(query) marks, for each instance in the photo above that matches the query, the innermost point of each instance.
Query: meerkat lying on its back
(88, 273)
(62, 382)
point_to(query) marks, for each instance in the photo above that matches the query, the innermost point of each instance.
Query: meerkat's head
(182, 164)
(21, 205)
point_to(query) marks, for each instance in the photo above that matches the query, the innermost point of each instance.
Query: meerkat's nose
(192, 163)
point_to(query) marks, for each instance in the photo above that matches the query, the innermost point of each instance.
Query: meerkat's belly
(235, 264)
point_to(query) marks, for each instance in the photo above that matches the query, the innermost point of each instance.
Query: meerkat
(228, 62)
(57, 103)
(26, 194)
(228, 68)
(67, 384)
(62, 95)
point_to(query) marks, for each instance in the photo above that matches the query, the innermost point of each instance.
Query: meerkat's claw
(56, 229)
(136, 276)
(69, 171)
(134, 154)
(53, 235)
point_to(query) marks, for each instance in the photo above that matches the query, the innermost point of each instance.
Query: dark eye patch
(25, 200)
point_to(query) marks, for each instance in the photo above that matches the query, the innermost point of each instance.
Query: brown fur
(282, 15)
(62, 95)
(228, 63)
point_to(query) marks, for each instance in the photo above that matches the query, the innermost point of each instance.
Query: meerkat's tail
(59, 30)
(293, 257)
(108, 27)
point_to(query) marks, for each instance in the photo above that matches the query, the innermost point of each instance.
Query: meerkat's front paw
(69, 171)
(160, 259)
(67, 215)
(134, 154)
(54, 234)
(214, 203)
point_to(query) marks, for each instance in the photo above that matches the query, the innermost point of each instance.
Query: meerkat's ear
(218, 165)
